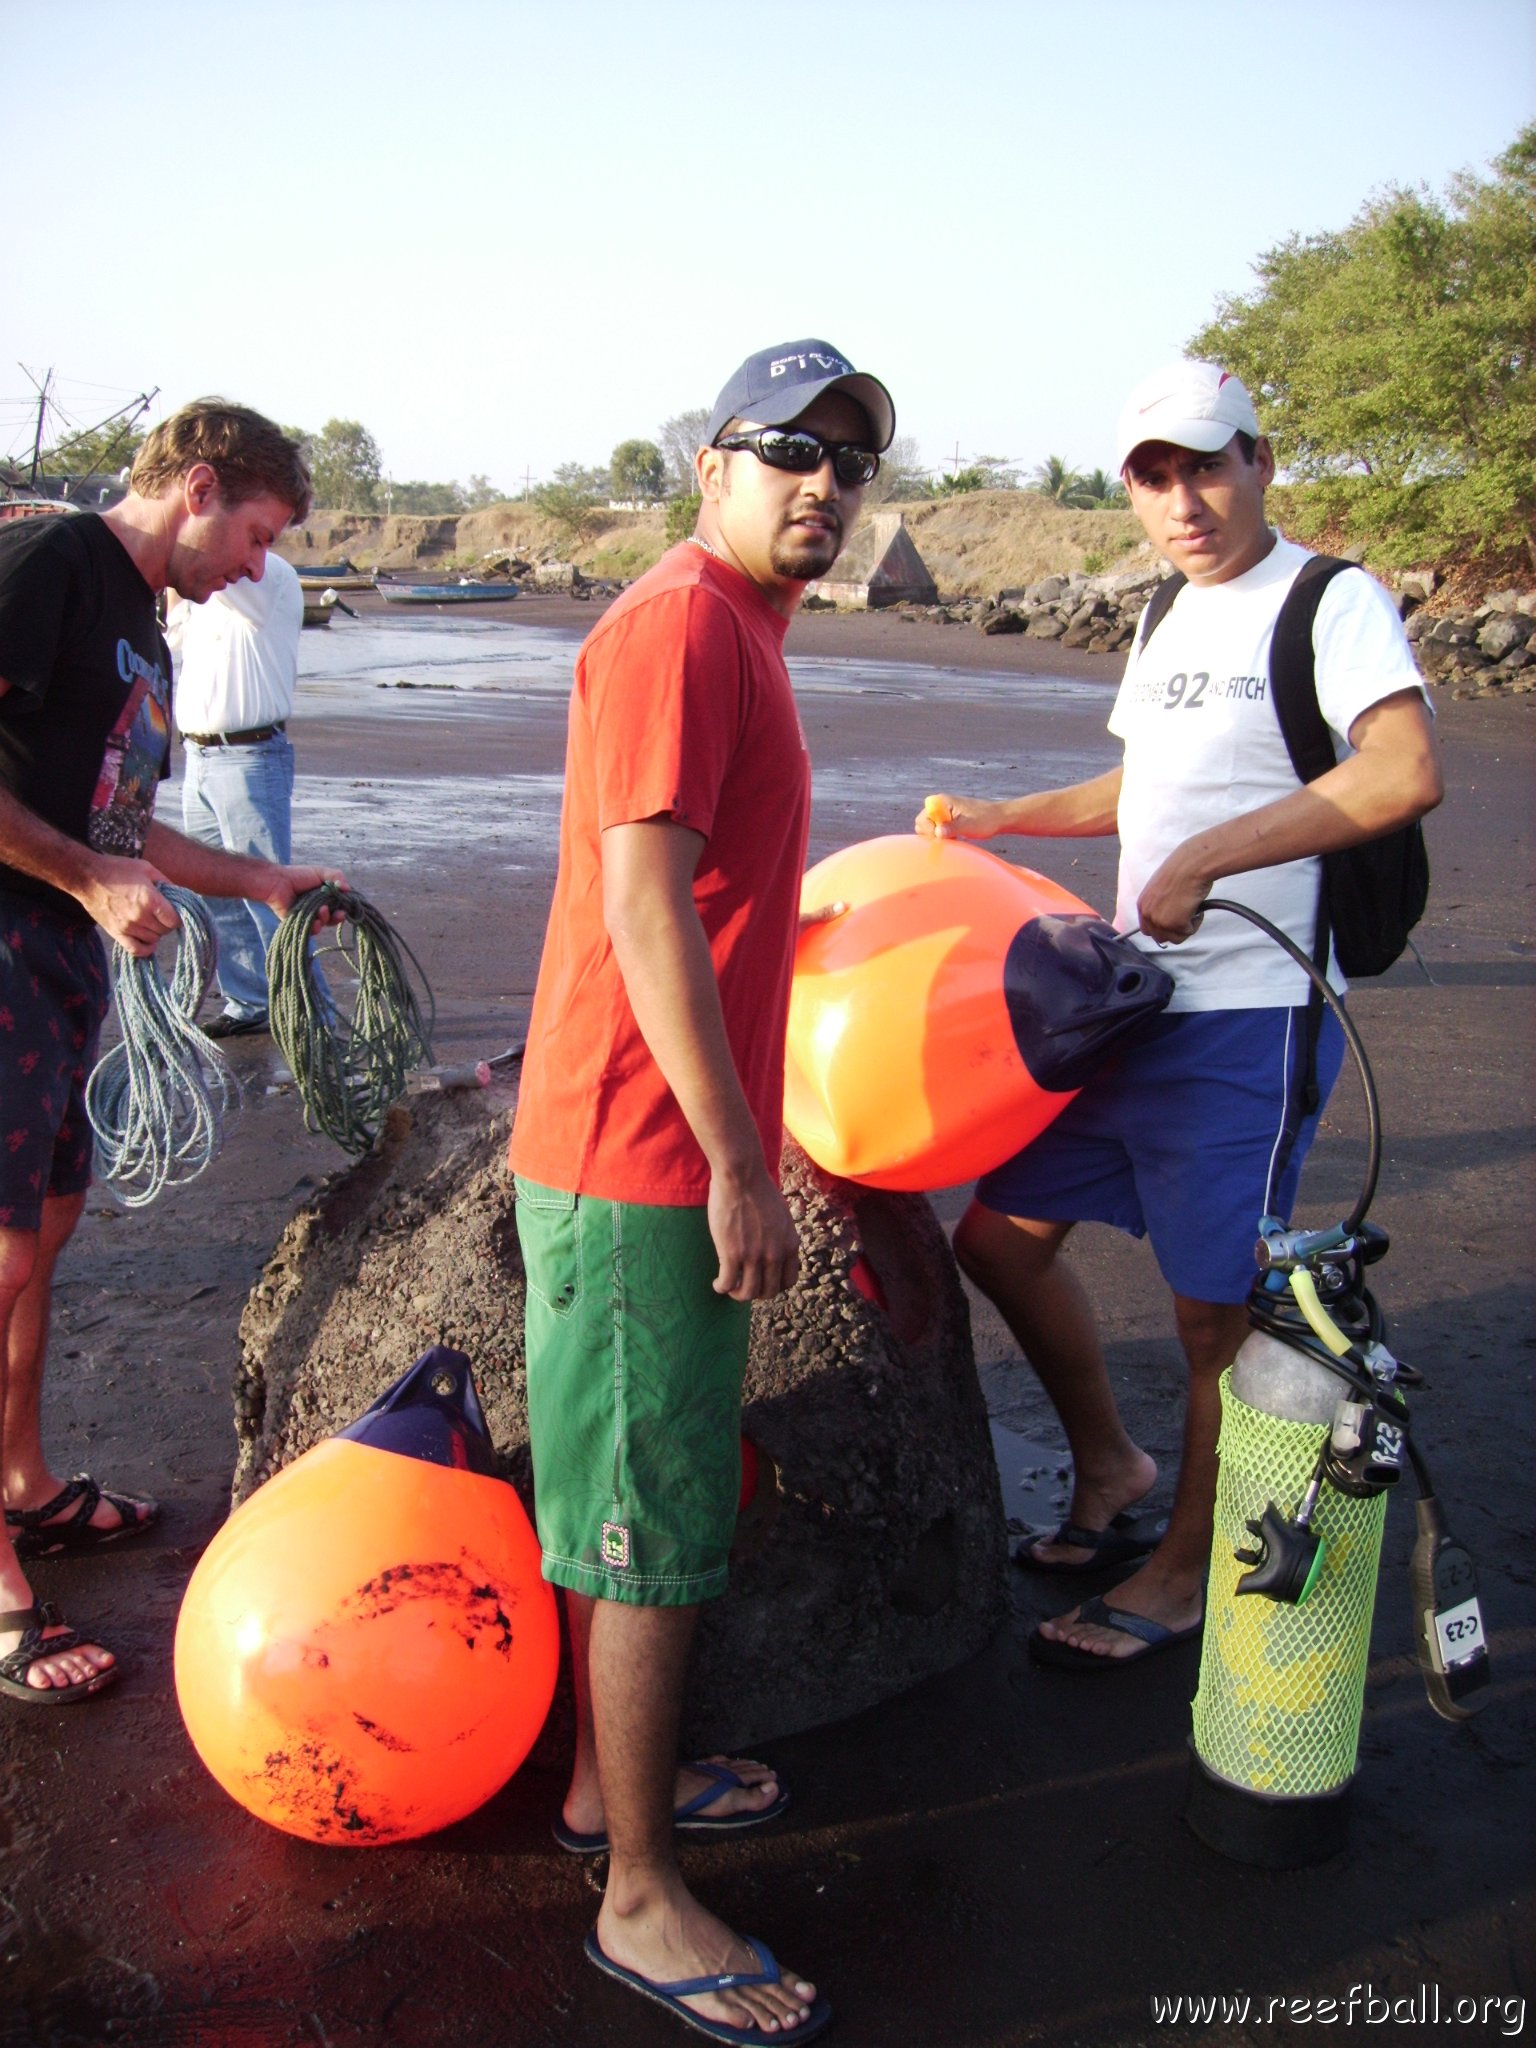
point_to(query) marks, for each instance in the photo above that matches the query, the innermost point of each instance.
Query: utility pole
(527, 483)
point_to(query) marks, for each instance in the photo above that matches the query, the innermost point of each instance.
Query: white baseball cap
(1191, 405)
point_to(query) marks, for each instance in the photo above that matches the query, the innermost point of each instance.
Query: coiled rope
(157, 1101)
(348, 1074)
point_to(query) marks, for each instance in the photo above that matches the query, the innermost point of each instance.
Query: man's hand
(123, 896)
(825, 915)
(754, 1235)
(956, 817)
(1167, 905)
(289, 884)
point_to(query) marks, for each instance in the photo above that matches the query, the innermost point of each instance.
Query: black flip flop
(1067, 1657)
(1113, 1546)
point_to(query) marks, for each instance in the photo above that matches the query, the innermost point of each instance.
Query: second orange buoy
(950, 1014)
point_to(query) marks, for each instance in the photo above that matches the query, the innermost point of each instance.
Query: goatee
(802, 553)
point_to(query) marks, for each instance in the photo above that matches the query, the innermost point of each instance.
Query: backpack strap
(1159, 605)
(1293, 687)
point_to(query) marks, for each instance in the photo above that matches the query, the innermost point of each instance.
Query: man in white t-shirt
(234, 695)
(1199, 1129)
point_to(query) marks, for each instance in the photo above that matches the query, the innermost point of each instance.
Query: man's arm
(122, 895)
(669, 977)
(1083, 810)
(1393, 778)
(213, 872)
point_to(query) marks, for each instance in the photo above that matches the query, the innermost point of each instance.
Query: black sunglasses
(798, 449)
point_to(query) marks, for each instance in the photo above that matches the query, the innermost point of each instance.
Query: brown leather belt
(235, 739)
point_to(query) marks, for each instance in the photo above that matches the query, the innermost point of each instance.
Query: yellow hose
(1324, 1328)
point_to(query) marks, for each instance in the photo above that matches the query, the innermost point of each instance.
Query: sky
(506, 235)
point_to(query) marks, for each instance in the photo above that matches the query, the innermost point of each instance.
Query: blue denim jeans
(241, 798)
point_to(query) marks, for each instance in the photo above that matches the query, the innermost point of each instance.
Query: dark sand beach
(998, 1857)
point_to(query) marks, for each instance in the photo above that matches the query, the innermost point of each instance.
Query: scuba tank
(1315, 1435)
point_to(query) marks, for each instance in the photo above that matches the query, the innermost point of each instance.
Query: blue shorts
(1189, 1137)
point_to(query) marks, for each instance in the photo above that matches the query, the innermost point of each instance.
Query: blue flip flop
(817, 2019)
(688, 1818)
(1067, 1656)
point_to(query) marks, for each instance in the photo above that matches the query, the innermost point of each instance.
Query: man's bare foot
(666, 1936)
(582, 1812)
(1173, 1601)
(1096, 1500)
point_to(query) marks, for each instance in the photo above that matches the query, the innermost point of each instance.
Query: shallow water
(345, 668)
(477, 673)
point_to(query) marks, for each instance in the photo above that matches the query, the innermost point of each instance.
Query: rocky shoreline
(1477, 651)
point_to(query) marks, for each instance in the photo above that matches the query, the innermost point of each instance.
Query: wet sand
(997, 1858)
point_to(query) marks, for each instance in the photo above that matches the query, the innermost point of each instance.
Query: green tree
(573, 498)
(480, 492)
(1058, 480)
(1102, 492)
(346, 466)
(681, 438)
(682, 517)
(902, 475)
(95, 452)
(424, 498)
(981, 473)
(1392, 363)
(638, 470)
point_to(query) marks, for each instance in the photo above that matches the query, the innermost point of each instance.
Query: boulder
(1044, 625)
(888, 1557)
(1504, 632)
(1047, 590)
(1004, 620)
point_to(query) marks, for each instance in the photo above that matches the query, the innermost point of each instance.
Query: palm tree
(1058, 480)
(1103, 493)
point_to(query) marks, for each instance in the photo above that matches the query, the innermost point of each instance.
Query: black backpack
(1371, 895)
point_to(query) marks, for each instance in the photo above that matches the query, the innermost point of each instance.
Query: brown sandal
(33, 1648)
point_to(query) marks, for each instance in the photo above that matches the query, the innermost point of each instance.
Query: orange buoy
(950, 1013)
(367, 1649)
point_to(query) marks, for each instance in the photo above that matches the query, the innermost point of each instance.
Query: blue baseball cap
(777, 384)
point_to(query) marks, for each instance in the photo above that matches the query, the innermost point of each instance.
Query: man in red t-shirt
(647, 1144)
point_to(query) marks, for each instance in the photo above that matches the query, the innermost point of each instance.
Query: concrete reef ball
(367, 1651)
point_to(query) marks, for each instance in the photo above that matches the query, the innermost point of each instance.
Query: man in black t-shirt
(85, 681)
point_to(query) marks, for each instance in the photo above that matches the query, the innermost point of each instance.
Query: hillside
(975, 544)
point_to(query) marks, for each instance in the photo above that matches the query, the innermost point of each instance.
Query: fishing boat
(340, 576)
(27, 491)
(464, 592)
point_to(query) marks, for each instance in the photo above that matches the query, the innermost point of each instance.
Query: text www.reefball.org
(1361, 2004)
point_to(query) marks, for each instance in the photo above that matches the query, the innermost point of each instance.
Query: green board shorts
(635, 1368)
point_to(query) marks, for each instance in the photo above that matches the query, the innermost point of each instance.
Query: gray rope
(158, 1100)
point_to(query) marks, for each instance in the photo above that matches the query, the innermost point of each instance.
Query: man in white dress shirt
(234, 696)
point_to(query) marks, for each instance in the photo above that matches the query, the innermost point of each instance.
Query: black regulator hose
(1352, 1039)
